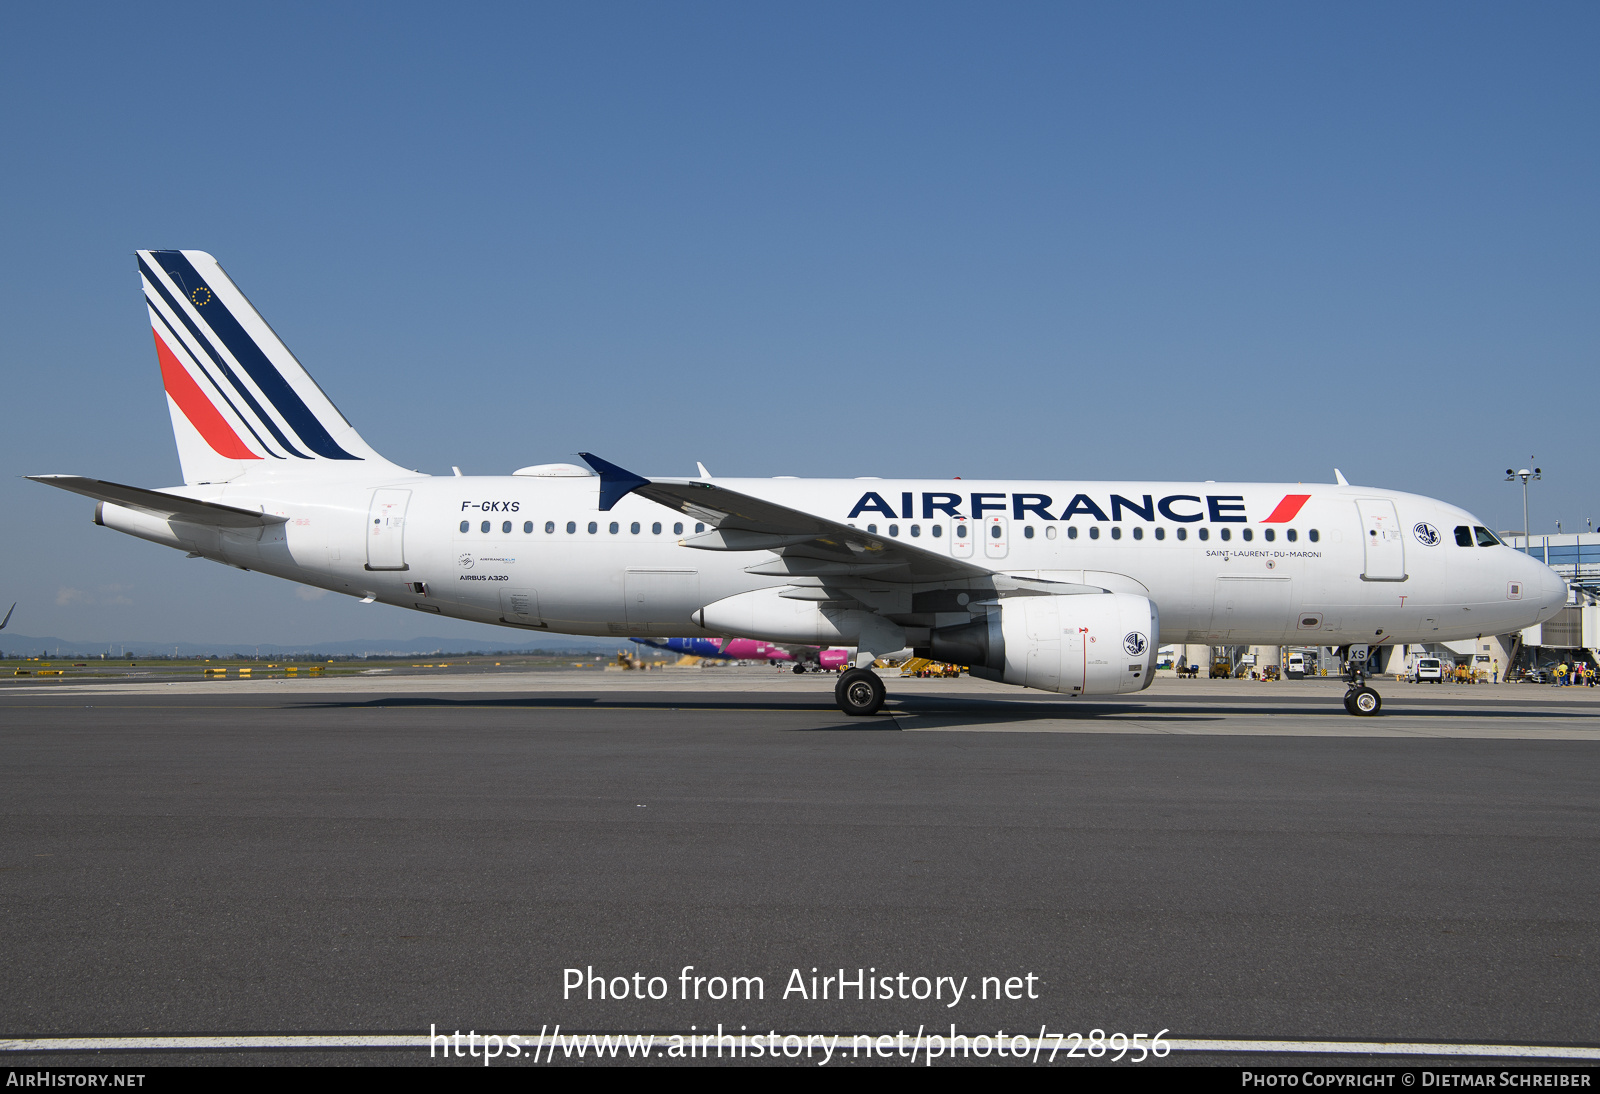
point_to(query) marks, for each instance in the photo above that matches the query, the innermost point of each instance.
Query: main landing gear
(859, 692)
(1360, 700)
(799, 669)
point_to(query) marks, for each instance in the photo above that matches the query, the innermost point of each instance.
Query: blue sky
(1212, 241)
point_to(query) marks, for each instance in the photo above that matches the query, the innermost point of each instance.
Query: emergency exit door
(386, 530)
(995, 539)
(1381, 536)
(961, 537)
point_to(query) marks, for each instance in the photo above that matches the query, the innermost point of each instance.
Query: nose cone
(1552, 590)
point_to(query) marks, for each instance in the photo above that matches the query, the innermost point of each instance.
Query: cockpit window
(1486, 538)
(1463, 536)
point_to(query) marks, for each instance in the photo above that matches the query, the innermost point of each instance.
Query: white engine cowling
(1094, 644)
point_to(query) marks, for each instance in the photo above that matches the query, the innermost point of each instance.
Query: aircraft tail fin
(241, 403)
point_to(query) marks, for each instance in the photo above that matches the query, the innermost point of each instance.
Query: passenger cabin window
(699, 527)
(1138, 532)
(1463, 536)
(505, 527)
(961, 531)
(1225, 533)
(572, 527)
(894, 530)
(873, 528)
(1204, 533)
(677, 529)
(994, 531)
(1161, 533)
(465, 525)
(613, 527)
(527, 527)
(484, 527)
(916, 530)
(1246, 534)
(634, 528)
(1314, 535)
(655, 529)
(1116, 531)
(1050, 531)
(1486, 538)
(549, 527)
(1291, 535)
(1183, 533)
(936, 531)
(1027, 531)
(1094, 531)
(1269, 535)
(593, 527)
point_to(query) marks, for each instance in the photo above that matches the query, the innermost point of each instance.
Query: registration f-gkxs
(1064, 586)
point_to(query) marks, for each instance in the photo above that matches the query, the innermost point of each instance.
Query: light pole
(1524, 475)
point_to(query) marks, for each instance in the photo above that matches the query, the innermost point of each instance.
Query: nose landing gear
(1360, 700)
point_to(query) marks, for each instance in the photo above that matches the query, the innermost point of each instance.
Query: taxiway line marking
(421, 1040)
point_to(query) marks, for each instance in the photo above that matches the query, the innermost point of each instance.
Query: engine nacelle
(1093, 644)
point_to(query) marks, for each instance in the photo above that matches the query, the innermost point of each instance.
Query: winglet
(616, 483)
(7, 619)
(1338, 477)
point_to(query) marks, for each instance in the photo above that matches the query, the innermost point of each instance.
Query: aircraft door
(386, 528)
(995, 537)
(520, 607)
(961, 537)
(1385, 543)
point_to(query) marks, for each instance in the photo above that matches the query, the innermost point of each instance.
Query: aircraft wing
(815, 550)
(156, 503)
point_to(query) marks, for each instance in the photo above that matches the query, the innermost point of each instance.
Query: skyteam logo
(1427, 534)
(1135, 643)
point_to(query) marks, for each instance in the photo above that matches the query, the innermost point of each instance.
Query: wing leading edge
(814, 552)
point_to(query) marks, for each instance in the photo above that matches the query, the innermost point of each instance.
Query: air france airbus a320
(1067, 587)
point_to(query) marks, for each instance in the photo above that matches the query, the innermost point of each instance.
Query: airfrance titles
(1179, 508)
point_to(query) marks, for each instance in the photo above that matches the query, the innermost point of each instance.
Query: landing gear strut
(1360, 700)
(859, 692)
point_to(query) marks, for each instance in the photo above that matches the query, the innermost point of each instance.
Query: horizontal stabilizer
(156, 503)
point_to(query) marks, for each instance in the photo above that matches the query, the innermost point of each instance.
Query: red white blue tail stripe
(234, 386)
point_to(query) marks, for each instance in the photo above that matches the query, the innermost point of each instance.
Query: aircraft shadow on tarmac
(998, 710)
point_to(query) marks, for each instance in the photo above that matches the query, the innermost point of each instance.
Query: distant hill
(23, 645)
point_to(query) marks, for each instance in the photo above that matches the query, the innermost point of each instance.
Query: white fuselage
(536, 552)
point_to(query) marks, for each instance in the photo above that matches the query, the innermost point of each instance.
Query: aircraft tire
(859, 692)
(799, 670)
(1363, 702)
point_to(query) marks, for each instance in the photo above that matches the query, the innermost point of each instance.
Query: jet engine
(1093, 644)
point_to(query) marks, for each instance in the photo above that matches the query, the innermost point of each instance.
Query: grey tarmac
(1216, 859)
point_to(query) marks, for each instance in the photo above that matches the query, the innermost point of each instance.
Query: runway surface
(1219, 860)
